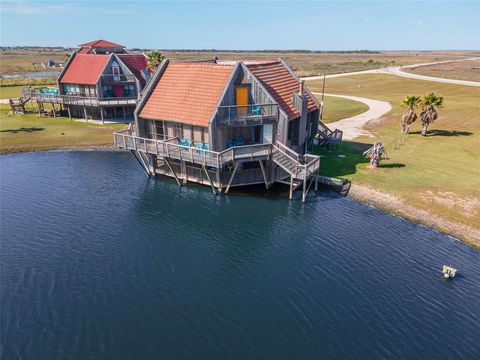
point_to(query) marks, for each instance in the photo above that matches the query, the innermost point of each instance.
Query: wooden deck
(221, 170)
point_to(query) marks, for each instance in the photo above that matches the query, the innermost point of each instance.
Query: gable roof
(281, 84)
(187, 92)
(135, 63)
(102, 43)
(84, 69)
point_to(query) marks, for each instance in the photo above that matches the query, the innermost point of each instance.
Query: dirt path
(353, 127)
(397, 70)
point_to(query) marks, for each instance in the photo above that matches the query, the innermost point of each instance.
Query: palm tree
(430, 103)
(154, 58)
(409, 115)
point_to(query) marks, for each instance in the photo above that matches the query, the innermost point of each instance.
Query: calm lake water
(39, 74)
(100, 262)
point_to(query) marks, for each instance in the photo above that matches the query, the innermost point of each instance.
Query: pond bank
(394, 205)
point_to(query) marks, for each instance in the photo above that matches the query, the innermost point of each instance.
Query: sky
(244, 25)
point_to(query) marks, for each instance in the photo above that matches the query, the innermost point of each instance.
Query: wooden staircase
(18, 105)
(327, 137)
(300, 168)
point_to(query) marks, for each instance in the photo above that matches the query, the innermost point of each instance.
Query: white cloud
(420, 22)
(367, 20)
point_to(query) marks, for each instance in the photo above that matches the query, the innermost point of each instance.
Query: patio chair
(199, 147)
(256, 110)
(239, 141)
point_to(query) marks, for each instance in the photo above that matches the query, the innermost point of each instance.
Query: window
(177, 130)
(128, 90)
(107, 91)
(293, 131)
(71, 89)
(116, 72)
(159, 130)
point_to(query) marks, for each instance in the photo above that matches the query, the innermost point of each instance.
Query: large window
(128, 90)
(293, 131)
(71, 89)
(107, 91)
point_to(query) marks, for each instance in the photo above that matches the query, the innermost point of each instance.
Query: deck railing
(241, 115)
(120, 78)
(125, 139)
(299, 166)
(53, 98)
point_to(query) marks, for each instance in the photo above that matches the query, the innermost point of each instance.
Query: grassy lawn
(461, 70)
(439, 173)
(338, 108)
(31, 133)
(9, 92)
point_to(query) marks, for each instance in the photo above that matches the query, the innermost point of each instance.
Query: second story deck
(51, 96)
(247, 115)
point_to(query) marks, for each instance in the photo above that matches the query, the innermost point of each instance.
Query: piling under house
(226, 124)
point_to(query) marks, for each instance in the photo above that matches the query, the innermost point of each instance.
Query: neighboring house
(226, 124)
(99, 81)
(101, 47)
(110, 83)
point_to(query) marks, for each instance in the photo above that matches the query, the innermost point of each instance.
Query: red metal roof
(281, 84)
(187, 93)
(101, 43)
(136, 63)
(84, 69)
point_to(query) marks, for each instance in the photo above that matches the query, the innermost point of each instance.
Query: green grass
(438, 173)
(336, 108)
(9, 92)
(27, 81)
(31, 133)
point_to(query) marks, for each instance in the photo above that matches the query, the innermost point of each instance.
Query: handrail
(288, 150)
(240, 106)
(125, 139)
(258, 113)
(214, 158)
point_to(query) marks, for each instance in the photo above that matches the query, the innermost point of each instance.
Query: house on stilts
(226, 124)
(99, 81)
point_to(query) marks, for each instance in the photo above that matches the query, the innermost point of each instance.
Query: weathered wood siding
(256, 95)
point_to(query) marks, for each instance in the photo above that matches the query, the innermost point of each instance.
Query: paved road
(397, 70)
(353, 127)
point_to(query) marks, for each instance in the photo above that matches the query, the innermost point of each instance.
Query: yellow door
(242, 99)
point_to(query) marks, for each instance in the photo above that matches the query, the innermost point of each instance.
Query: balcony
(247, 115)
(108, 79)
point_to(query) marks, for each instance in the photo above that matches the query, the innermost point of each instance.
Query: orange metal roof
(187, 93)
(101, 43)
(281, 84)
(136, 63)
(85, 69)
